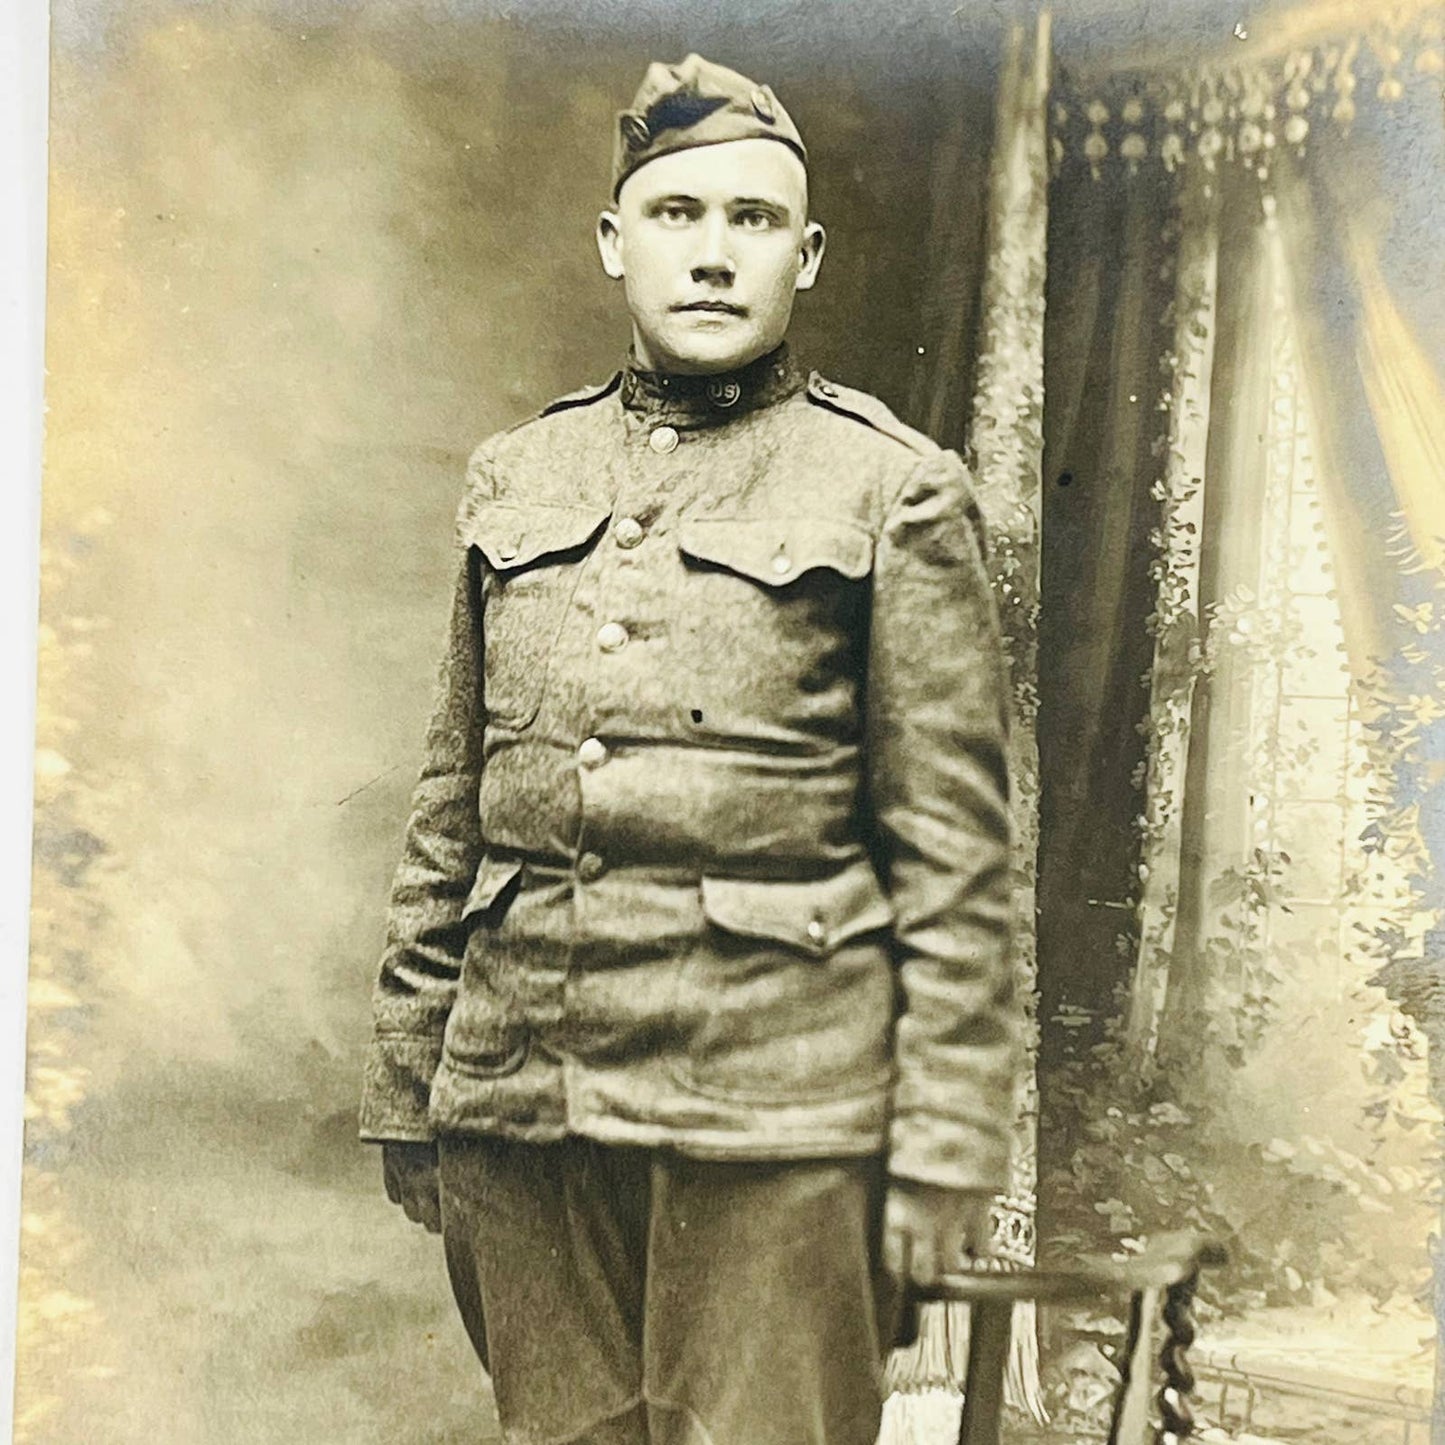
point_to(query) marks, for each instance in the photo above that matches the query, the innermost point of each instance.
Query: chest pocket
(532, 556)
(776, 552)
(775, 610)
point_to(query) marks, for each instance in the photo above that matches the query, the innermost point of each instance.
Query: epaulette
(583, 395)
(862, 406)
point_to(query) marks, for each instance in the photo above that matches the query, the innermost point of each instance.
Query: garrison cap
(696, 103)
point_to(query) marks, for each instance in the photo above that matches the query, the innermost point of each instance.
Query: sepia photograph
(740, 725)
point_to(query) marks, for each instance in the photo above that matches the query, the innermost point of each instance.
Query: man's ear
(609, 243)
(810, 255)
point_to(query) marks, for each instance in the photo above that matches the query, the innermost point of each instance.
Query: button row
(592, 753)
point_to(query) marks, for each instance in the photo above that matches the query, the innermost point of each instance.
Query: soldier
(695, 1031)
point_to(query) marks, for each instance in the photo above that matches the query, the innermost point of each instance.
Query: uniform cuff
(397, 1088)
(950, 1153)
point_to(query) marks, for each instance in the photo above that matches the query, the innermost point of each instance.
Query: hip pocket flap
(492, 877)
(814, 916)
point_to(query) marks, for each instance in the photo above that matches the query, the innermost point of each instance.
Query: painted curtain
(1210, 442)
(1005, 449)
(1242, 679)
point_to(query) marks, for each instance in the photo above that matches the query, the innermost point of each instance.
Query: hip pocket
(484, 1035)
(788, 995)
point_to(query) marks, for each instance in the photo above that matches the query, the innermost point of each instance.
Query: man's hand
(410, 1173)
(928, 1230)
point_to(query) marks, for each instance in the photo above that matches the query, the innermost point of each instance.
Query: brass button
(826, 388)
(507, 552)
(763, 106)
(590, 867)
(724, 393)
(782, 565)
(663, 440)
(611, 636)
(816, 932)
(592, 753)
(628, 531)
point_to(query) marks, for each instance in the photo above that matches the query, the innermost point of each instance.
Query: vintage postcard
(715, 678)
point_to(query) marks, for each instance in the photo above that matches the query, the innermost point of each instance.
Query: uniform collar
(661, 396)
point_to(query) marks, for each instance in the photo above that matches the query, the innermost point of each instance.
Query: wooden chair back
(1159, 1284)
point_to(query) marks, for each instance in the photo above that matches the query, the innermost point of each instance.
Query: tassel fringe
(925, 1381)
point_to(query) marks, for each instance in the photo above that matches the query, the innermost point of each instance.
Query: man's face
(712, 244)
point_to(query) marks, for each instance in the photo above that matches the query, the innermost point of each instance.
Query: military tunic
(710, 848)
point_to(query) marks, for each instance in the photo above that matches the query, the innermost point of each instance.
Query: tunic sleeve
(939, 793)
(425, 937)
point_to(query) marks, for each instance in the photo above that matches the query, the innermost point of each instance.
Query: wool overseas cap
(696, 103)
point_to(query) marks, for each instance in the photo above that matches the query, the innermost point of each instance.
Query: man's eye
(675, 215)
(754, 220)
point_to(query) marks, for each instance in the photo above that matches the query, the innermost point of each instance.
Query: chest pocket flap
(774, 551)
(511, 536)
(814, 916)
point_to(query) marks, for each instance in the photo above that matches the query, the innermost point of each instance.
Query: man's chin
(702, 355)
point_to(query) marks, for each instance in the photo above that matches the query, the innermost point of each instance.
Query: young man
(695, 1024)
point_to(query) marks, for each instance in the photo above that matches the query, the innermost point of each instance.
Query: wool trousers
(629, 1296)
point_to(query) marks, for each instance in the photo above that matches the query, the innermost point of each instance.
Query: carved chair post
(1168, 1268)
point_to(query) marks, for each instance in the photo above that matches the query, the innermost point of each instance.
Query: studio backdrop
(1178, 309)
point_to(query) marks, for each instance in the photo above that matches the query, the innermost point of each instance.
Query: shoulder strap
(865, 408)
(584, 395)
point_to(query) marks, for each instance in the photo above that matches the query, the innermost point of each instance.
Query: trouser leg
(546, 1245)
(632, 1297)
(768, 1315)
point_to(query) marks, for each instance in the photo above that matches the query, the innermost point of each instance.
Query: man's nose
(713, 260)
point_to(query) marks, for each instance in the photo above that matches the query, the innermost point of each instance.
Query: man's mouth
(718, 308)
